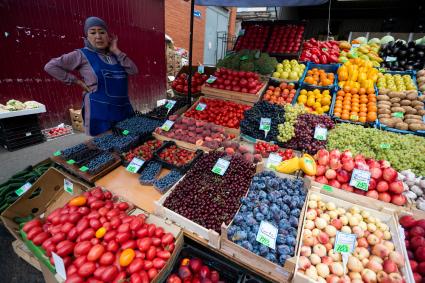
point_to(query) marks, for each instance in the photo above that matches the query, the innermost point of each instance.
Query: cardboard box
(76, 115)
(46, 194)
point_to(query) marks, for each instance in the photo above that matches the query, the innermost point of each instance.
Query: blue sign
(197, 13)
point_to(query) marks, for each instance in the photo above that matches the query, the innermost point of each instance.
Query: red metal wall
(33, 31)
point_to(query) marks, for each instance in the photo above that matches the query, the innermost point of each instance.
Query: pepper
(288, 166)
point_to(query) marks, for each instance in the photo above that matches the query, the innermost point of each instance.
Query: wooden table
(127, 185)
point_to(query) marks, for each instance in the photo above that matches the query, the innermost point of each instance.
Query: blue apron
(109, 103)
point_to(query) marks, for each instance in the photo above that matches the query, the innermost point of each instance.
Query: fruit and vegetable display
(366, 51)
(210, 199)
(414, 233)
(220, 112)
(395, 82)
(99, 162)
(164, 183)
(357, 105)
(144, 151)
(320, 52)
(280, 95)
(316, 101)
(335, 169)
(251, 123)
(319, 77)
(238, 81)
(68, 152)
(180, 84)
(287, 129)
(12, 188)
(249, 61)
(82, 156)
(162, 112)
(58, 131)
(196, 132)
(16, 105)
(278, 201)
(402, 151)
(414, 188)
(118, 143)
(375, 258)
(233, 148)
(265, 148)
(285, 39)
(289, 70)
(357, 73)
(253, 38)
(420, 79)
(401, 56)
(402, 110)
(150, 172)
(304, 130)
(195, 270)
(174, 155)
(139, 125)
(99, 241)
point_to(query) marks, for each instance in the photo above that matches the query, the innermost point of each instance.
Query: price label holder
(401, 232)
(360, 179)
(242, 32)
(125, 132)
(385, 146)
(22, 190)
(201, 106)
(71, 161)
(273, 160)
(327, 188)
(170, 104)
(68, 186)
(320, 133)
(57, 153)
(221, 166)
(265, 125)
(167, 125)
(59, 265)
(211, 79)
(344, 244)
(201, 69)
(390, 59)
(398, 115)
(161, 102)
(245, 57)
(267, 234)
(135, 165)
(84, 169)
(355, 45)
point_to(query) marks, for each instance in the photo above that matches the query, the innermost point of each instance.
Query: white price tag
(201, 69)
(265, 125)
(135, 165)
(167, 125)
(273, 160)
(28, 134)
(22, 190)
(390, 59)
(68, 186)
(211, 79)
(344, 242)
(171, 78)
(267, 234)
(355, 45)
(59, 265)
(161, 102)
(360, 179)
(401, 232)
(221, 166)
(170, 104)
(320, 133)
(201, 106)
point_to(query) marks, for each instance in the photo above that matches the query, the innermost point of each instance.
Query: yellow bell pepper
(288, 166)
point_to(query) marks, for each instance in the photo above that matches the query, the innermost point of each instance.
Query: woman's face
(98, 37)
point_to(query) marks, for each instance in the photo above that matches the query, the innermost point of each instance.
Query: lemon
(319, 110)
(325, 108)
(310, 102)
(317, 105)
(309, 93)
(303, 92)
(316, 91)
(325, 92)
(325, 100)
(302, 98)
(318, 96)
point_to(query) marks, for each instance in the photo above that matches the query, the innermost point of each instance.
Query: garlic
(410, 195)
(416, 190)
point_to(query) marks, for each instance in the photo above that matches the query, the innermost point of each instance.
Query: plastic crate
(411, 73)
(279, 23)
(276, 83)
(332, 92)
(328, 68)
(184, 168)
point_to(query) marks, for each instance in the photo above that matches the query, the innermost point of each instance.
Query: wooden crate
(359, 199)
(190, 227)
(23, 252)
(387, 217)
(258, 263)
(249, 98)
(182, 144)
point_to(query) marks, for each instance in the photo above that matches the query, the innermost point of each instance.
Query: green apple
(276, 75)
(293, 76)
(279, 66)
(284, 75)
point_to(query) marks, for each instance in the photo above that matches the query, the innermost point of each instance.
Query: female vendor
(104, 70)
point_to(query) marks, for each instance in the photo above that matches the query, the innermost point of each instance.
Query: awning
(256, 3)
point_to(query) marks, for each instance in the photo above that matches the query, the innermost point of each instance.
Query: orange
(345, 112)
(340, 98)
(345, 116)
(347, 88)
(337, 115)
(337, 109)
(371, 104)
(346, 107)
(372, 108)
(356, 96)
(355, 100)
(370, 90)
(372, 99)
(371, 116)
(340, 93)
(362, 114)
(363, 100)
(354, 90)
(355, 109)
(362, 91)
(362, 119)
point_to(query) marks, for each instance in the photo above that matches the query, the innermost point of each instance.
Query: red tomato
(64, 248)
(82, 248)
(136, 224)
(130, 244)
(95, 223)
(72, 234)
(66, 227)
(145, 277)
(74, 217)
(97, 204)
(151, 253)
(94, 280)
(123, 228)
(35, 222)
(110, 273)
(123, 206)
(110, 235)
(107, 258)
(34, 232)
(136, 265)
(147, 265)
(95, 252)
(156, 242)
(151, 229)
(74, 278)
(163, 254)
(168, 238)
(86, 269)
(152, 273)
(99, 272)
(71, 270)
(112, 246)
(158, 263)
(40, 238)
(141, 233)
(170, 247)
(135, 278)
(144, 244)
(120, 277)
(82, 225)
(79, 261)
(87, 234)
(123, 237)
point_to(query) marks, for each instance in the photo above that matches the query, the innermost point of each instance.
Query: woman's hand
(113, 46)
(83, 85)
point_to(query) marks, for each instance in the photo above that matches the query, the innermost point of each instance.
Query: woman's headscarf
(93, 22)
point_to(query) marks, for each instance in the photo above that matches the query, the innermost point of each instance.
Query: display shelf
(10, 114)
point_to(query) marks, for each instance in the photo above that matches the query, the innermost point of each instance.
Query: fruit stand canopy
(257, 3)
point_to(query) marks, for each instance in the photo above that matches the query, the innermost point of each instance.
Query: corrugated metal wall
(33, 31)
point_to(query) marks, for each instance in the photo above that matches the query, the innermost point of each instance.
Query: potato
(412, 95)
(417, 103)
(384, 106)
(395, 105)
(387, 121)
(411, 116)
(397, 120)
(380, 116)
(421, 112)
(401, 126)
(395, 100)
(398, 109)
(418, 107)
(382, 97)
(380, 103)
(384, 111)
(421, 98)
(410, 110)
(397, 94)
(411, 121)
(405, 102)
(384, 91)
(417, 127)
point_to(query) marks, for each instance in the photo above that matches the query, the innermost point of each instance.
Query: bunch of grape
(287, 130)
